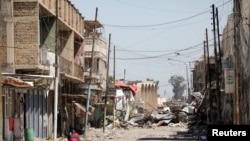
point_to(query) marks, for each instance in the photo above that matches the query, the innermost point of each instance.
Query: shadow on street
(180, 136)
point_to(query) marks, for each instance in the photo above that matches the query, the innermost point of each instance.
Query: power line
(171, 22)
(195, 47)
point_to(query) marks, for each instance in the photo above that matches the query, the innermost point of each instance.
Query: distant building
(147, 94)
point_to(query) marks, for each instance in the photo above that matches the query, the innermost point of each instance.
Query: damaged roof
(131, 87)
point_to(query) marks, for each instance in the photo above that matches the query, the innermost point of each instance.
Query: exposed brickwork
(3, 41)
(3, 53)
(25, 9)
(68, 13)
(26, 41)
(1, 57)
(26, 32)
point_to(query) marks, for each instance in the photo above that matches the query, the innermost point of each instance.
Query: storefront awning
(26, 81)
(71, 78)
(17, 82)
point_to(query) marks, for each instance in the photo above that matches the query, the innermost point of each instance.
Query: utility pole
(1, 101)
(208, 61)
(107, 87)
(57, 72)
(205, 63)
(114, 78)
(205, 80)
(208, 77)
(236, 67)
(216, 70)
(219, 44)
(90, 76)
(219, 69)
(124, 75)
(187, 80)
(114, 102)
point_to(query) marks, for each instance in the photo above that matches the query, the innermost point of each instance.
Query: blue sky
(146, 33)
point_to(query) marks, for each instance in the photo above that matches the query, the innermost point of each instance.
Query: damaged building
(223, 78)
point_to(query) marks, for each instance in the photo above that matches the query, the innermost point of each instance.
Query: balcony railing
(70, 68)
(65, 66)
(78, 71)
(97, 54)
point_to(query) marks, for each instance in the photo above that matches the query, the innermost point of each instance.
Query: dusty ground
(136, 133)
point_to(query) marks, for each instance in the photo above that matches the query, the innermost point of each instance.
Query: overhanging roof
(26, 80)
(90, 24)
(71, 78)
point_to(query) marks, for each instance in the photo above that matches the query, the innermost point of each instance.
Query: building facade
(227, 75)
(147, 94)
(43, 64)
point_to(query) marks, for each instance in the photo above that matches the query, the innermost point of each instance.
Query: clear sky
(155, 39)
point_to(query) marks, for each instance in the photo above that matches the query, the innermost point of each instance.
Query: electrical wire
(166, 23)
(160, 24)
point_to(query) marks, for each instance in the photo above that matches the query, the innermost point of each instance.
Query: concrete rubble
(182, 116)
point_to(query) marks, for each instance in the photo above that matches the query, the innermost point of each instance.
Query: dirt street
(136, 133)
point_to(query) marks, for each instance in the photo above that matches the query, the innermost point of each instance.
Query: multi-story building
(94, 42)
(43, 62)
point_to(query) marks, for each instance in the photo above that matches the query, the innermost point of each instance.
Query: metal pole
(90, 76)
(1, 101)
(56, 76)
(107, 87)
(219, 43)
(208, 79)
(217, 94)
(187, 80)
(87, 107)
(114, 101)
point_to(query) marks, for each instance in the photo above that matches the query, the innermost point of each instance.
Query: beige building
(236, 56)
(227, 96)
(147, 95)
(94, 41)
(39, 38)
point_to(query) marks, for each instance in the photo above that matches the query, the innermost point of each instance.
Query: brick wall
(3, 38)
(26, 33)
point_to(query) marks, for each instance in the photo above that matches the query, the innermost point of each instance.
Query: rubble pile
(173, 114)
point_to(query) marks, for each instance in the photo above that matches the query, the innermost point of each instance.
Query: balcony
(70, 69)
(96, 54)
